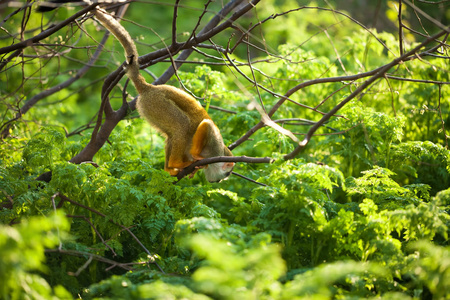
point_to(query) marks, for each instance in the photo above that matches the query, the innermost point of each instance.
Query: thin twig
(249, 179)
(83, 267)
(96, 231)
(174, 24)
(191, 168)
(124, 266)
(440, 116)
(400, 27)
(48, 32)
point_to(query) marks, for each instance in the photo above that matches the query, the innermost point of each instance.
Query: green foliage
(323, 282)
(23, 259)
(422, 162)
(363, 212)
(44, 148)
(226, 274)
(377, 185)
(431, 268)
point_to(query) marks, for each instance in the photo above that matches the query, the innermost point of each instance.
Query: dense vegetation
(361, 211)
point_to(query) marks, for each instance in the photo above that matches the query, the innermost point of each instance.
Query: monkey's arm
(177, 157)
(200, 138)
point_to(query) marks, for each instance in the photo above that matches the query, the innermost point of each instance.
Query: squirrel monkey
(190, 133)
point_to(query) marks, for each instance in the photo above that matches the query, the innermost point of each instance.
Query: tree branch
(382, 71)
(254, 160)
(48, 32)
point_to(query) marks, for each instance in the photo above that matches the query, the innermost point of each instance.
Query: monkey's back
(167, 108)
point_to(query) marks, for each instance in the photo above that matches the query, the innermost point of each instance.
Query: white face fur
(218, 171)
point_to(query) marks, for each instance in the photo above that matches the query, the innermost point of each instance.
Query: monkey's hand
(193, 173)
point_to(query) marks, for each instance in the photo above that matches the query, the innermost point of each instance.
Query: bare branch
(440, 116)
(429, 18)
(125, 266)
(193, 167)
(400, 27)
(33, 100)
(47, 32)
(202, 36)
(362, 87)
(248, 179)
(174, 24)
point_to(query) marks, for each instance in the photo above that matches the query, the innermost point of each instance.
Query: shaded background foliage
(363, 211)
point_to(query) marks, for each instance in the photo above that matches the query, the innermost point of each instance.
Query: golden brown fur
(190, 133)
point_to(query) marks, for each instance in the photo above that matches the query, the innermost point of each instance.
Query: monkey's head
(218, 171)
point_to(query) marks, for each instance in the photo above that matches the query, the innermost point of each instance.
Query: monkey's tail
(125, 39)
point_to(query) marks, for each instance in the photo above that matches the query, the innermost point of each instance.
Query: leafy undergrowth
(125, 230)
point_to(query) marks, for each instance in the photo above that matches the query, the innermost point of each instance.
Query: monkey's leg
(168, 150)
(176, 154)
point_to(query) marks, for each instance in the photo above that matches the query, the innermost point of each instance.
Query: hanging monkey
(190, 133)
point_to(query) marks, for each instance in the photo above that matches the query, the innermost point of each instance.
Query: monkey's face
(218, 171)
